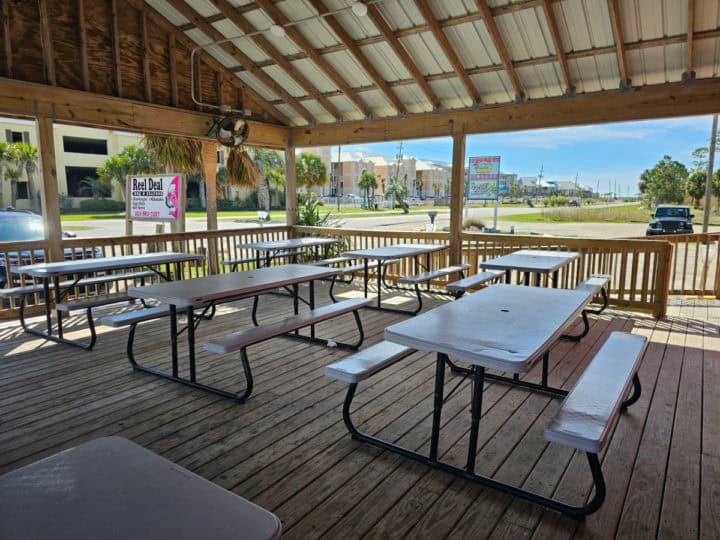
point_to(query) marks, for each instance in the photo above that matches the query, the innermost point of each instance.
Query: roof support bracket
(626, 86)
(570, 92)
(688, 76)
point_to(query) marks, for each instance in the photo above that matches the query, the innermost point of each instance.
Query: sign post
(484, 181)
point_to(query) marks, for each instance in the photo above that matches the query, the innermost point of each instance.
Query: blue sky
(603, 153)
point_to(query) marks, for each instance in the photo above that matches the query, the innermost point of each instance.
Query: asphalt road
(413, 222)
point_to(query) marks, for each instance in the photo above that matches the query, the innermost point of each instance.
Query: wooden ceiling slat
(501, 48)
(172, 69)
(559, 47)
(82, 26)
(625, 81)
(276, 15)
(383, 27)
(689, 70)
(180, 37)
(192, 15)
(47, 44)
(369, 68)
(447, 48)
(116, 48)
(147, 77)
(7, 40)
(244, 25)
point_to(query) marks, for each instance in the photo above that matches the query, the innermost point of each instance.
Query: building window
(22, 190)
(76, 185)
(17, 136)
(221, 157)
(81, 145)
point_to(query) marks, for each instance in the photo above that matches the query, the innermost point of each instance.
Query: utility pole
(708, 180)
(539, 182)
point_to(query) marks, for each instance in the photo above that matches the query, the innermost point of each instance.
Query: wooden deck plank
(287, 447)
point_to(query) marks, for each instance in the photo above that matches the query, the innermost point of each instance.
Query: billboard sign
(484, 178)
(154, 198)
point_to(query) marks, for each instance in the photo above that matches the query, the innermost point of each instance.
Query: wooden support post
(209, 166)
(290, 190)
(47, 44)
(7, 42)
(49, 196)
(457, 187)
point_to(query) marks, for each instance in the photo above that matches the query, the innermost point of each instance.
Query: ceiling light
(279, 31)
(359, 9)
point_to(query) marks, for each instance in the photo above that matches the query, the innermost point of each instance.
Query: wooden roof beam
(7, 42)
(625, 81)
(115, 34)
(689, 71)
(449, 51)
(505, 57)
(47, 44)
(189, 13)
(279, 17)
(559, 47)
(383, 27)
(238, 20)
(355, 50)
(177, 35)
(82, 28)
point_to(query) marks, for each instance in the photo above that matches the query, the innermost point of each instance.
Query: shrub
(473, 224)
(557, 200)
(102, 205)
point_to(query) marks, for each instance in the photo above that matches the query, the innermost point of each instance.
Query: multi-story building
(349, 173)
(79, 151)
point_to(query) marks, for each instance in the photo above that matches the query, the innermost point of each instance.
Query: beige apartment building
(79, 151)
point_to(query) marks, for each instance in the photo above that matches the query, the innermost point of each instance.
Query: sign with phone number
(154, 198)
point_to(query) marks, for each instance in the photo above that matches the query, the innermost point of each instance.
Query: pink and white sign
(155, 198)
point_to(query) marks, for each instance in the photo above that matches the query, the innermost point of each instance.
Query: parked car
(670, 220)
(25, 226)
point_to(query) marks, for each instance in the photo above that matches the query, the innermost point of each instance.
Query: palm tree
(13, 174)
(26, 156)
(175, 154)
(130, 161)
(5, 157)
(310, 171)
(98, 187)
(368, 183)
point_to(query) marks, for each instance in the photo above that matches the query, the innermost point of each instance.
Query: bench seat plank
(240, 340)
(94, 301)
(432, 274)
(131, 317)
(360, 267)
(363, 364)
(95, 280)
(594, 283)
(331, 261)
(462, 285)
(586, 414)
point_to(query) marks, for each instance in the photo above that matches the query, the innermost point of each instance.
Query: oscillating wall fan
(232, 130)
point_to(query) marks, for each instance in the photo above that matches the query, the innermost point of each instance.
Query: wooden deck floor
(287, 448)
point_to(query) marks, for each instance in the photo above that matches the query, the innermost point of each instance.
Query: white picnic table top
(394, 251)
(290, 243)
(505, 327)
(111, 488)
(531, 260)
(102, 264)
(201, 291)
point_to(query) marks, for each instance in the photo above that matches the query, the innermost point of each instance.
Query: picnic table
(289, 247)
(50, 273)
(111, 488)
(204, 293)
(394, 252)
(532, 261)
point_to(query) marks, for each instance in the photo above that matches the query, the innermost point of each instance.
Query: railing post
(457, 188)
(290, 191)
(662, 287)
(50, 198)
(209, 165)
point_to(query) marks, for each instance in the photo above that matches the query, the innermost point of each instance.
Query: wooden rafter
(689, 70)
(177, 35)
(264, 44)
(501, 48)
(383, 27)
(116, 48)
(448, 49)
(210, 31)
(47, 45)
(276, 15)
(347, 40)
(559, 47)
(82, 27)
(7, 42)
(147, 78)
(625, 81)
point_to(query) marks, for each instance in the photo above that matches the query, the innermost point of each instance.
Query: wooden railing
(644, 271)
(639, 268)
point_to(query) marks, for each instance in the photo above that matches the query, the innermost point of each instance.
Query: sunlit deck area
(287, 449)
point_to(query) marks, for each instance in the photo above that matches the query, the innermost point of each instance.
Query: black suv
(671, 220)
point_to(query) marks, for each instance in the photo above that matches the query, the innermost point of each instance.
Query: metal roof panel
(285, 81)
(413, 98)
(541, 81)
(426, 53)
(167, 11)
(203, 7)
(250, 79)
(494, 87)
(314, 74)
(385, 61)
(348, 68)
